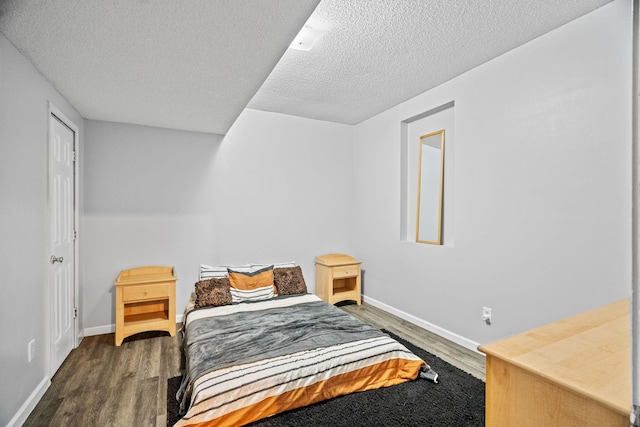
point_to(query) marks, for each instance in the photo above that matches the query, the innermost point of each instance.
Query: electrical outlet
(486, 315)
(31, 350)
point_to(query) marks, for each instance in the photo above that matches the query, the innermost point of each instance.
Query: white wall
(24, 229)
(542, 187)
(284, 187)
(145, 204)
(275, 188)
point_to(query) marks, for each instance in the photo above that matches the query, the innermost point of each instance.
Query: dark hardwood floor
(102, 385)
(469, 361)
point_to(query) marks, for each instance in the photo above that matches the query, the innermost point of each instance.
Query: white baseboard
(79, 338)
(23, 413)
(99, 330)
(109, 329)
(444, 333)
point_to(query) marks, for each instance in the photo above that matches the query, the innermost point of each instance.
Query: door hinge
(75, 157)
(75, 234)
(75, 312)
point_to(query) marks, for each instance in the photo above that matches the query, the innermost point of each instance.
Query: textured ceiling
(379, 53)
(196, 64)
(170, 63)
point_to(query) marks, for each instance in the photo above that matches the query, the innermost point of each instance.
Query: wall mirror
(430, 184)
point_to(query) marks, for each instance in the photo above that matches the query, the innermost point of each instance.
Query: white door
(62, 260)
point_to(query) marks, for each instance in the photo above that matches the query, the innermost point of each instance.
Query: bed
(251, 357)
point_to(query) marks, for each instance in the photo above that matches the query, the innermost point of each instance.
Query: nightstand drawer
(345, 271)
(144, 292)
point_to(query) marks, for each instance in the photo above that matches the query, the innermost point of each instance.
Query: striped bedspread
(249, 361)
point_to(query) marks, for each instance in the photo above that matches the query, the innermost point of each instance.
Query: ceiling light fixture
(306, 38)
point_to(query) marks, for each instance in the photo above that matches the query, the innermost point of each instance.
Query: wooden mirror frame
(430, 195)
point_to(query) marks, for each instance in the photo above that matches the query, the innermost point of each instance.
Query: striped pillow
(252, 285)
(217, 272)
(276, 264)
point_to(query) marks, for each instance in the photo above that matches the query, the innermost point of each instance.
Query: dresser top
(332, 260)
(142, 275)
(589, 353)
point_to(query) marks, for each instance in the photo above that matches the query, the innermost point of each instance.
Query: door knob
(54, 259)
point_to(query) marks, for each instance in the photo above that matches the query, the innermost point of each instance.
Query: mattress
(248, 361)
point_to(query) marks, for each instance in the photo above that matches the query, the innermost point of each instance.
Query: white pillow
(209, 272)
(276, 264)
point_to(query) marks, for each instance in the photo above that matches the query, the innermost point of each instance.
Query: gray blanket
(218, 342)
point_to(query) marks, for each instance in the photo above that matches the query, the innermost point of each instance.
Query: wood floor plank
(150, 359)
(125, 405)
(107, 414)
(146, 402)
(465, 359)
(103, 385)
(42, 413)
(72, 410)
(86, 375)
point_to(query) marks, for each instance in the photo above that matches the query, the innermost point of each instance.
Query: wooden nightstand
(145, 301)
(338, 278)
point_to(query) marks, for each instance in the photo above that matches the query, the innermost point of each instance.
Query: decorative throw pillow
(289, 281)
(252, 285)
(213, 292)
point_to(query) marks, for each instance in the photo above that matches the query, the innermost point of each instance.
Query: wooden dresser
(145, 301)
(574, 372)
(338, 278)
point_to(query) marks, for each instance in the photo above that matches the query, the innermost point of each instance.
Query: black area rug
(457, 400)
